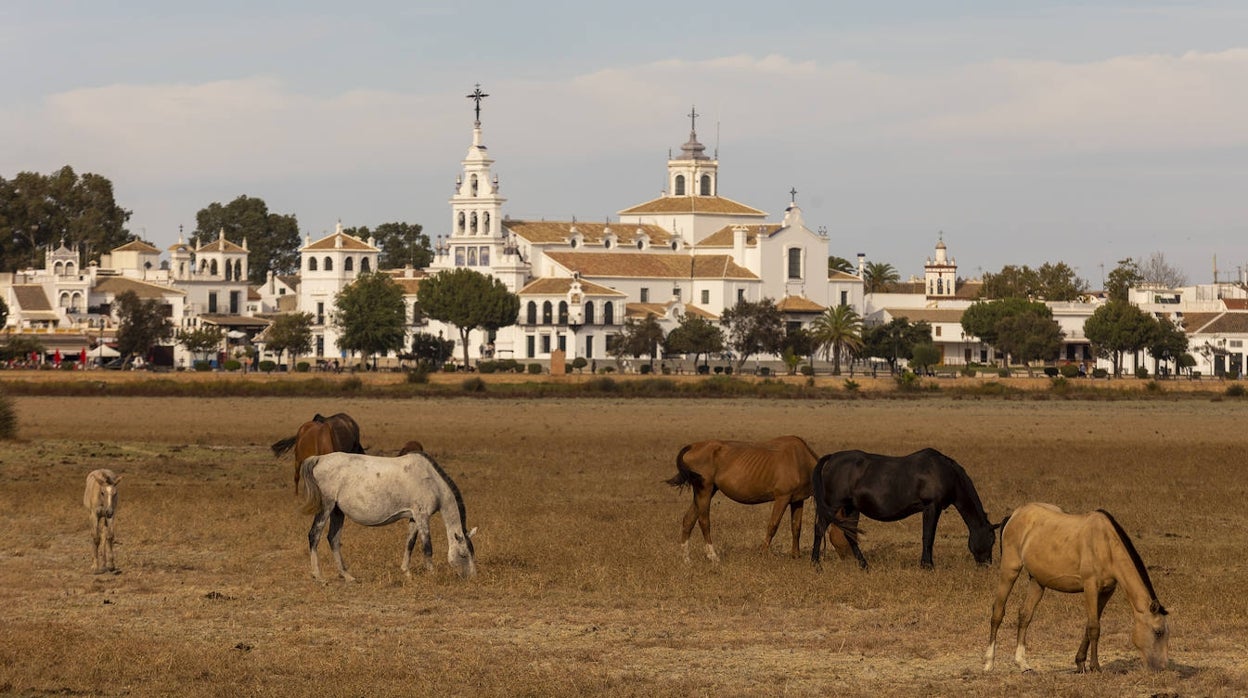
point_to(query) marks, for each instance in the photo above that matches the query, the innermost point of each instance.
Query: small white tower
(940, 274)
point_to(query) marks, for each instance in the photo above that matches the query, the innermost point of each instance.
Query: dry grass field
(580, 589)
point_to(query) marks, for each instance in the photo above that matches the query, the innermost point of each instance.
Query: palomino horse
(376, 491)
(411, 447)
(1073, 553)
(776, 471)
(100, 498)
(320, 436)
(890, 488)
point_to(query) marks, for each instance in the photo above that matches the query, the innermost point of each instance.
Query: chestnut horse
(776, 471)
(320, 436)
(891, 488)
(1077, 553)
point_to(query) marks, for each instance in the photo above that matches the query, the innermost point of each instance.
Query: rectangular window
(530, 346)
(1236, 343)
(676, 293)
(320, 345)
(459, 256)
(484, 257)
(212, 301)
(740, 295)
(545, 344)
(795, 263)
(563, 342)
(645, 295)
(937, 330)
(320, 312)
(706, 297)
(472, 256)
(844, 297)
(234, 298)
(589, 347)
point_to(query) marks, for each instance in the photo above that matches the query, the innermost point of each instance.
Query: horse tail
(684, 476)
(280, 448)
(1135, 559)
(309, 491)
(1001, 531)
(823, 510)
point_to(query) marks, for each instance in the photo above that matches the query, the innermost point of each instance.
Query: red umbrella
(56, 358)
(82, 358)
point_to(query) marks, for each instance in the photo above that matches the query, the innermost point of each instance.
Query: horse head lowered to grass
(375, 491)
(891, 488)
(319, 436)
(1077, 553)
(776, 471)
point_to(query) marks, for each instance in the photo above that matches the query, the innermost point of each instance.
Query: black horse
(890, 488)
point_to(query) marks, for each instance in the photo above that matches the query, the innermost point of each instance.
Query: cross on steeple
(693, 118)
(793, 195)
(476, 96)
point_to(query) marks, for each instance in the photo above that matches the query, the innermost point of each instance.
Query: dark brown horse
(891, 488)
(320, 436)
(776, 471)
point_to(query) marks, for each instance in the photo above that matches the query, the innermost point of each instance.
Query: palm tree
(879, 276)
(840, 264)
(836, 331)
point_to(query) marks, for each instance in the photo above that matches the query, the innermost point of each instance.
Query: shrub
(1003, 373)
(851, 386)
(1235, 390)
(418, 375)
(764, 371)
(968, 371)
(1069, 371)
(1060, 385)
(600, 385)
(303, 367)
(448, 367)
(1050, 371)
(1141, 372)
(202, 365)
(487, 366)
(352, 384)
(1100, 373)
(1152, 387)
(808, 370)
(535, 369)
(907, 381)
(268, 365)
(8, 418)
(646, 368)
(579, 363)
(68, 366)
(475, 384)
(232, 364)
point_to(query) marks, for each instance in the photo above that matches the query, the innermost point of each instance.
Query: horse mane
(964, 479)
(459, 499)
(1135, 559)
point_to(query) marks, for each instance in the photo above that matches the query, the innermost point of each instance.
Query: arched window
(472, 256)
(348, 264)
(608, 313)
(795, 262)
(706, 185)
(473, 184)
(546, 313)
(474, 222)
(940, 286)
(462, 218)
(329, 264)
(229, 270)
(641, 244)
(311, 263)
(485, 222)
(563, 312)
(69, 269)
(238, 269)
(364, 265)
(212, 267)
(589, 313)
(530, 315)
(680, 185)
(58, 269)
(203, 266)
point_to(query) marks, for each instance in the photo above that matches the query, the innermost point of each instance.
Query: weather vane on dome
(476, 96)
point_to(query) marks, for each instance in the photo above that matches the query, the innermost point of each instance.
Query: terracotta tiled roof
(692, 204)
(966, 290)
(31, 297)
(117, 285)
(221, 320)
(348, 243)
(726, 237)
(1235, 303)
(798, 304)
(591, 233)
(558, 286)
(641, 311)
(927, 314)
(409, 284)
(136, 246)
(1230, 322)
(650, 265)
(843, 276)
(221, 245)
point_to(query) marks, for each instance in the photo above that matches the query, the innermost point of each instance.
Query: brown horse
(1073, 553)
(320, 436)
(776, 471)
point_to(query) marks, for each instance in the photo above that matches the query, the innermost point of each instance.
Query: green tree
(982, 318)
(879, 277)
(840, 264)
(431, 350)
(1052, 282)
(838, 331)
(1117, 327)
(1122, 279)
(371, 316)
(200, 341)
(272, 239)
(640, 338)
(468, 300)
(401, 244)
(754, 328)
(923, 356)
(1030, 336)
(4, 312)
(19, 347)
(1168, 343)
(141, 324)
(289, 332)
(799, 343)
(895, 340)
(38, 210)
(696, 335)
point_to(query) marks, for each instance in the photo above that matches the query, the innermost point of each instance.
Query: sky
(1020, 132)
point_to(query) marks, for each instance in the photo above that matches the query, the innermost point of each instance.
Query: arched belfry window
(348, 264)
(485, 222)
(474, 223)
(608, 313)
(705, 187)
(546, 313)
(473, 184)
(589, 313)
(364, 265)
(795, 262)
(461, 221)
(329, 264)
(531, 313)
(680, 185)
(563, 312)
(311, 263)
(212, 267)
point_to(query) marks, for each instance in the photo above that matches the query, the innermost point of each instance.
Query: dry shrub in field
(8, 417)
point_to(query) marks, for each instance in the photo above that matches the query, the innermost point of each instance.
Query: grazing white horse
(100, 498)
(375, 491)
